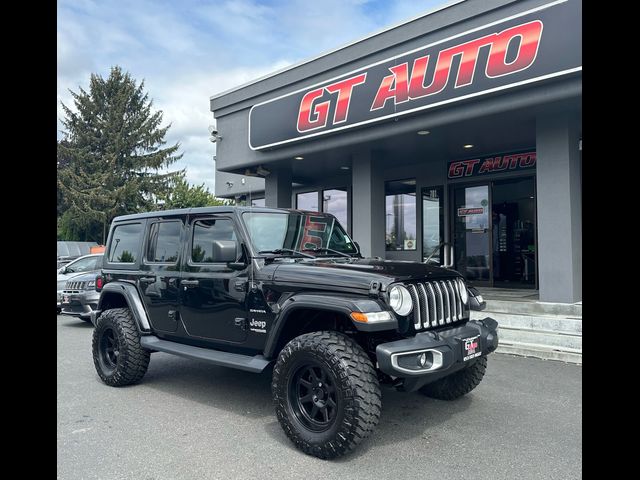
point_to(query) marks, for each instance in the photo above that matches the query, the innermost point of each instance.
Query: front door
(472, 233)
(213, 296)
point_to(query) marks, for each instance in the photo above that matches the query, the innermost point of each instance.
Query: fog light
(422, 360)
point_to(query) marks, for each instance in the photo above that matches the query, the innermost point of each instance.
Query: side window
(164, 242)
(83, 265)
(124, 243)
(205, 232)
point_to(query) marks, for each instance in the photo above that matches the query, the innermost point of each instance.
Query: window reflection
(335, 202)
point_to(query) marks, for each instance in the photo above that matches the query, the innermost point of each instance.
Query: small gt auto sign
(471, 348)
(532, 46)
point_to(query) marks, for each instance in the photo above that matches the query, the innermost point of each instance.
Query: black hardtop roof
(205, 210)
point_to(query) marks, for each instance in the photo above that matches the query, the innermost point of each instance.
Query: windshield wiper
(325, 249)
(287, 250)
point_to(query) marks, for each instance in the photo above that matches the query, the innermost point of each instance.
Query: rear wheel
(117, 354)
(326, 393)
(457, 384)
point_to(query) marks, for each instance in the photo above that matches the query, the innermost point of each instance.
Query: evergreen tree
(183, 195)
(110, 159)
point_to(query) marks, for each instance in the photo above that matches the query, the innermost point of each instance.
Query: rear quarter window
(125, 243)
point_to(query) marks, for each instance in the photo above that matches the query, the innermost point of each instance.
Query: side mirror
(224, 251)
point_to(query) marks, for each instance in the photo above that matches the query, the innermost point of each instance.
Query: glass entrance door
(514, 238)
(472, 233)
(494, 233)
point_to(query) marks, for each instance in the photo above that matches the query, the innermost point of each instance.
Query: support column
(277, 188)
(367, 198)
(559, 203)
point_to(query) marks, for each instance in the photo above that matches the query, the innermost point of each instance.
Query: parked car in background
(79, 296)
(84, 264)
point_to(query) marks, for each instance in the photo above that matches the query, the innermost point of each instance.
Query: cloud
(187, 51)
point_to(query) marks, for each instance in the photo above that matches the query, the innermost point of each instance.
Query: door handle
(147, 279)
(190, 283)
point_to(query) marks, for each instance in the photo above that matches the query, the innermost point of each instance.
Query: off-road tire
(356, 387)
(457, 384)
(131, 361)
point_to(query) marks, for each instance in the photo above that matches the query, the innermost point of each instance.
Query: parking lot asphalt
(191, 420)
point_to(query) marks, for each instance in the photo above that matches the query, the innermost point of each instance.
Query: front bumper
(442, 352)
(80, 304)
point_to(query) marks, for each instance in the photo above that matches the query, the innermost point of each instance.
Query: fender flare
(327, 303)
(132, 297)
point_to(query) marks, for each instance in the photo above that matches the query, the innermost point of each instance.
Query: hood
(82, 277)
(358, 273)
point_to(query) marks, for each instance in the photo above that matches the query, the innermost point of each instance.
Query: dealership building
(456, 135)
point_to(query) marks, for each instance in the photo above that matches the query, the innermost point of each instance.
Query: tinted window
(125, 242)
(164, 242)
(205, 232)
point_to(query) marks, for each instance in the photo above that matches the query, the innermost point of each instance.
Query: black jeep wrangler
(251, 288)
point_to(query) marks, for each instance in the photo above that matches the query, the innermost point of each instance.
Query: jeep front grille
(436, 303)
(75, 286)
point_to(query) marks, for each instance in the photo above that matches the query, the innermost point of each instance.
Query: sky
(188, 50)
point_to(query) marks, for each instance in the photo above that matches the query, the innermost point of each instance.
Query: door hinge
(241, 322)
(240, 285)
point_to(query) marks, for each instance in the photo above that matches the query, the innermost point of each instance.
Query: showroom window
(307, 201)
(334, 201)
(400, 211)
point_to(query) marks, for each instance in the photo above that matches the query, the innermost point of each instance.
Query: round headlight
(400, 300)
(464, 294)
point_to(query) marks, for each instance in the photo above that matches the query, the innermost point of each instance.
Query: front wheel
(457, 384)
(326, 393)
(117, 354)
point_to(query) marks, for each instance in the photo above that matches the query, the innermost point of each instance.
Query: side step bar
(224, 359)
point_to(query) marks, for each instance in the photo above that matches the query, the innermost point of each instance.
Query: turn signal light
(371, 317)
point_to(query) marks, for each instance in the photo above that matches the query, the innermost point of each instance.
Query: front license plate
(65, 299)
(471, 348)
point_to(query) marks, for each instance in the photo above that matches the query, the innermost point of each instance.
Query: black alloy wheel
(109, 350)
(117, 354)
(313, 397)
(326, 393)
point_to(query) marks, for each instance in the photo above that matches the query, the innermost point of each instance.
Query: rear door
(213, 296)
(161, 271)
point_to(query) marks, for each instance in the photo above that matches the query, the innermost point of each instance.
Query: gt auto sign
(532, 46)
(482, 166)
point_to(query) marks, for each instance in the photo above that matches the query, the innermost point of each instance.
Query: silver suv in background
(84, 264)
(79, 297)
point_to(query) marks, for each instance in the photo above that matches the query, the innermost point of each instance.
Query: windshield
(297, 231)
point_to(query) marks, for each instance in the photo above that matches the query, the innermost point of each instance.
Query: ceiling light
(423, 132)
(468, 145)
(299, 157)
(344, 167)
